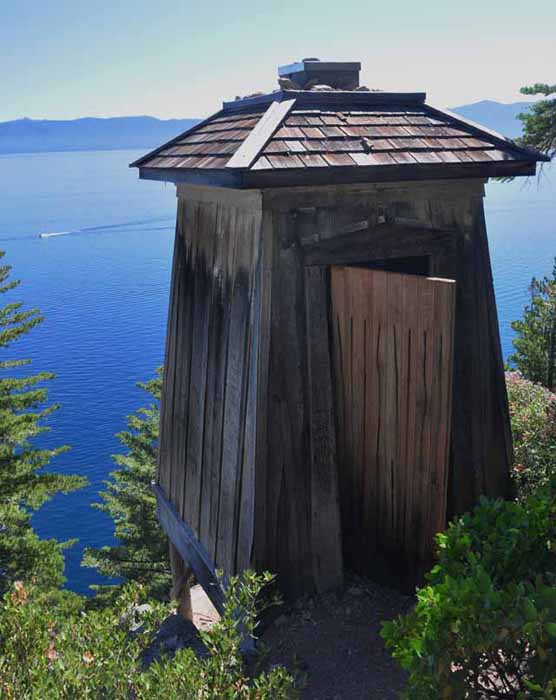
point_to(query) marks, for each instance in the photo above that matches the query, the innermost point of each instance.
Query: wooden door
(393, 346)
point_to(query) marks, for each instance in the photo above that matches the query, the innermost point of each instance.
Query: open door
(393, 347)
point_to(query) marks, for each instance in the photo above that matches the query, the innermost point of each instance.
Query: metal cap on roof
(341, 75)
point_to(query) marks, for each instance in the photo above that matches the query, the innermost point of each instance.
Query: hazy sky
(67, 58)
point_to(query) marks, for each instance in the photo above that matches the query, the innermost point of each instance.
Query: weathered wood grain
(246, 505)
(326, 544)
(246, 444)
(394, 353)
(234, 399)
(216, 367)
(163, 466)
(190, 549)
(181, 591)
(183, 354)
(203, 279)
(262, 475)
(381, 242)
(288, 487)
(481, 447)
(180, 367)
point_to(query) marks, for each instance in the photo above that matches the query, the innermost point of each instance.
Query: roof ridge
(261, 134)
(327, 97)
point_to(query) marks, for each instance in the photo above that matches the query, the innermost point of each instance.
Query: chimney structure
(311, 72)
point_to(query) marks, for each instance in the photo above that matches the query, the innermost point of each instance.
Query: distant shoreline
(26, 136)
(79, 149)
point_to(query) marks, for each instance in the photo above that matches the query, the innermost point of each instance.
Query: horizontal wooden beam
(340, 175)
(190, 549)
(217, 178)
(336, 175)
(376, 243)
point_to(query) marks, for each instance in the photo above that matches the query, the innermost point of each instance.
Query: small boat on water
(54, 233)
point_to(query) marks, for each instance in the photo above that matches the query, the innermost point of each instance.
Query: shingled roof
(318, 136)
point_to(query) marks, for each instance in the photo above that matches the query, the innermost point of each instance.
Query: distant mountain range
(495, 115)
(88, 134)
(93, 134)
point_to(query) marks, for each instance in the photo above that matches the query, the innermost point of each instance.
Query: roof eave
(261, 179)
(137, 163)
(386, 173)
(502, 140)
(218, 178)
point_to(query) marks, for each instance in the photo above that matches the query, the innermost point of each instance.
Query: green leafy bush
(56, 649)
(533, 416)
(485, 625)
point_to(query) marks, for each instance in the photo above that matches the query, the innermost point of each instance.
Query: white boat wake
(146, 224)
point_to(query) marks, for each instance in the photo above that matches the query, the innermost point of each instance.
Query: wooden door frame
(382, 242)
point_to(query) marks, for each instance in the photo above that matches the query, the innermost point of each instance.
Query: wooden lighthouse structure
(334, 387)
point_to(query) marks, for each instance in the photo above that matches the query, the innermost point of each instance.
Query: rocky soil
(332, 643)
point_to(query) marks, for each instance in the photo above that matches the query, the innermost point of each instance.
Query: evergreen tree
(24, 486)
(535, 345)
(540, 123)
(142, 552)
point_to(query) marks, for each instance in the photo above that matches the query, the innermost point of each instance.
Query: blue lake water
(103, 289)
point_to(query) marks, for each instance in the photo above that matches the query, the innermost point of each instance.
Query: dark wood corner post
(481, 453)
(181, 591)
(325, 505)
(301, 519)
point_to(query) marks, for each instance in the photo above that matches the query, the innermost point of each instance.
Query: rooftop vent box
(341, 75)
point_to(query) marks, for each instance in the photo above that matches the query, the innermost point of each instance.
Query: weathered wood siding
(481, 437)
(312, 229)
(248, 453)
(208, 418)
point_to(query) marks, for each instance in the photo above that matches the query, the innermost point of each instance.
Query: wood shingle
(370, 134)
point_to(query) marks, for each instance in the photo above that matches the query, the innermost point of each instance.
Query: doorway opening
(392, 348)
(413, 265)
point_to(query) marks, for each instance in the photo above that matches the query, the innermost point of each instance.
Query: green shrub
(533, 416)
(54, 649)
(485, 625)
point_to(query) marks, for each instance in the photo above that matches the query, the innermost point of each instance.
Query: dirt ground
(332, 643)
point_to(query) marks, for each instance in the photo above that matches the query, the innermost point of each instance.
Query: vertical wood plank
(214, 387)
(189, 226)
(288, 490)
(325, 509)
(166, 402)
(235, 395)
(260, 547)
(207, 235)
(246, 514)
